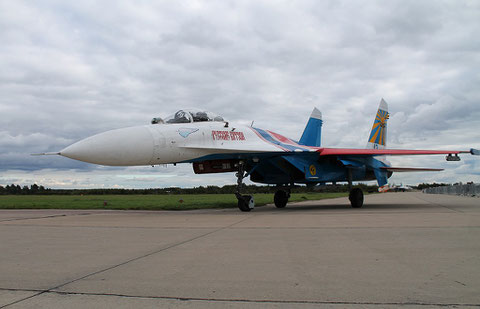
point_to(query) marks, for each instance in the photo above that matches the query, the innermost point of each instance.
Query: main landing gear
(356, 197)
(356, 194)
(245, 202)
(281, 198)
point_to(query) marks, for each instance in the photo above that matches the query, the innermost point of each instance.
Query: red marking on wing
(379, 152)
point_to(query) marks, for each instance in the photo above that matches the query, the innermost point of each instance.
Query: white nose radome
(127, 146)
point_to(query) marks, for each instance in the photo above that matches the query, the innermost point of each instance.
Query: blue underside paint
(380, 174)
(305, 167)
(382, 177)
(313, 133)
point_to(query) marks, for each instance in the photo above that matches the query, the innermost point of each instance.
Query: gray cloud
(70, 70)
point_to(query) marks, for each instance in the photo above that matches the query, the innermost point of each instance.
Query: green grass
(144, 202)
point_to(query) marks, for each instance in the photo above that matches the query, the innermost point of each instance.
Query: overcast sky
(69, 70)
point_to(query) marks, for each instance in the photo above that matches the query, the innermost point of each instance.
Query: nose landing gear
(245, 202)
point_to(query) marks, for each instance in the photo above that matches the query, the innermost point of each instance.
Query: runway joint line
(239, 300)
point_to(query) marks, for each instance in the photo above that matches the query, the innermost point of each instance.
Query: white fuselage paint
(166, 143)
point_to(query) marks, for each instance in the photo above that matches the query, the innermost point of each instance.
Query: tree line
(227, 189)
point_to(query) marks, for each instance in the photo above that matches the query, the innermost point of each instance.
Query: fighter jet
(214, 145)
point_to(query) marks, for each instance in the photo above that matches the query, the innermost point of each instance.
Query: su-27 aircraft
(214, 145)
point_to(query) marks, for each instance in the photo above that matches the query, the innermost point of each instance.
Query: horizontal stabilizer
(475, 152)
(410, 169)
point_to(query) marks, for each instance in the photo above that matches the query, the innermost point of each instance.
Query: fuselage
(213, 143)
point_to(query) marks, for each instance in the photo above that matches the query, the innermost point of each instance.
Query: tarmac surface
(409, 250)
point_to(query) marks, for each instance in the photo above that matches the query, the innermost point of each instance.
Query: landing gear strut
(356, 194)
(245, 202)
(281, 198)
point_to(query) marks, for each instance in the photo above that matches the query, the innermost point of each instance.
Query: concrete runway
(401, 249)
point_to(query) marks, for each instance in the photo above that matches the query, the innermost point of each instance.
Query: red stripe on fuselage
(288, 141)
(282, 138)
(263, 139)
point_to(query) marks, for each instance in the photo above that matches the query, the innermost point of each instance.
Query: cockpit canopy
(188, 116)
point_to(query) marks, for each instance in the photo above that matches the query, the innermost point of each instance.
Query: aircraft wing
(356, 157)
(331, 151)
(388, 152)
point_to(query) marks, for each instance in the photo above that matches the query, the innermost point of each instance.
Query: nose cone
(122, 147)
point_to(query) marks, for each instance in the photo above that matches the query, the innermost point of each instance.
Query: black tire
(356, 198)
(243, 202)
(281, 198)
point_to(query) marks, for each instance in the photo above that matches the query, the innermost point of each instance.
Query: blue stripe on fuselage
(272, 140)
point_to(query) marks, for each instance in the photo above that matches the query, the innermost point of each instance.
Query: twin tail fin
(312, 135)
(378, 135)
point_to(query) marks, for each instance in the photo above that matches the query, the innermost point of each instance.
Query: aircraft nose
(122, 147)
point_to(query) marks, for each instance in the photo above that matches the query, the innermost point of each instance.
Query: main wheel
(281, 198)
(356, 198)
(243, 203)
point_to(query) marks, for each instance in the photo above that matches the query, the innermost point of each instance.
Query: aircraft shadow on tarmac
(344, 208)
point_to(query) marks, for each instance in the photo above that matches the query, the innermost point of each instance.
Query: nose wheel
(245, 202)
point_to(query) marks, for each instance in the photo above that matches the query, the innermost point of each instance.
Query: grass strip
(144, 202)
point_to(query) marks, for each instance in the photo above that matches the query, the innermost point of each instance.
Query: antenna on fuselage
(252, 123)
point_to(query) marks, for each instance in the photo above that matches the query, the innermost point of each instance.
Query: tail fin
(313, 131)
(378, 135)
